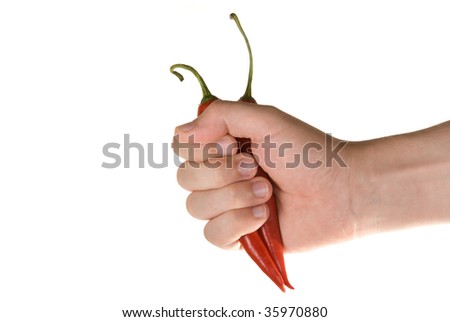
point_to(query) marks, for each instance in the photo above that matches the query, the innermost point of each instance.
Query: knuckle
(232, 194)
(206, 233)
(210, 235)
(185, 174)
(219, 231)
(239, 195)
(271, 109)
(234, 222)
(213, 163)
(190, 205)
(181, 173)
(219, 176)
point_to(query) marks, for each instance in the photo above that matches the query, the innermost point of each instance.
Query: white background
(80, 243)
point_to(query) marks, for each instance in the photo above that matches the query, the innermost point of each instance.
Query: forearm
(403, 181)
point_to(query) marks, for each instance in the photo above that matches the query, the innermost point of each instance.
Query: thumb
(237, 119)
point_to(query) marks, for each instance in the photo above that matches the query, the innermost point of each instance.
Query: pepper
(252, 243)
(207, 98)
(270, 231)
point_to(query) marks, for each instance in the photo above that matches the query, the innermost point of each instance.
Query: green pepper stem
(206, 93)
(248, 90)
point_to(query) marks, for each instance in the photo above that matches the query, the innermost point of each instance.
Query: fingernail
(259, 188)
(246, 168)
(259, 212)
(187, 126)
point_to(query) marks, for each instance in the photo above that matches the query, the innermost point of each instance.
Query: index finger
(191, 149)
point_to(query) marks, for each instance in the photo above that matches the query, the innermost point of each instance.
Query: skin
(388, 184)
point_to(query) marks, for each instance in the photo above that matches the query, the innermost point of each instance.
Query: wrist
(403, 180)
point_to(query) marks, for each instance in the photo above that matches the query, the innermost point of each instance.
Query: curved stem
(248, 90)
(206, 93)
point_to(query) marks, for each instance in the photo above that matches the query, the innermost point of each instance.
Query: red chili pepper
(252, 243)
(270, 231)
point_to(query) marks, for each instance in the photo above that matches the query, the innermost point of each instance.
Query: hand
(313, 191)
